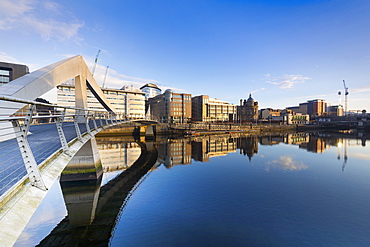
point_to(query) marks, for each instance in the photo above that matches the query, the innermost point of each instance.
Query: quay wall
(199, 129)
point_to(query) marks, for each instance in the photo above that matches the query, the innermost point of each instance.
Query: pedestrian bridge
(38, 140)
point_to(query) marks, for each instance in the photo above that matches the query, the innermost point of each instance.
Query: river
(305, 189)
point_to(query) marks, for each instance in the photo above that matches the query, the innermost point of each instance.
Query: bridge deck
(43, 140)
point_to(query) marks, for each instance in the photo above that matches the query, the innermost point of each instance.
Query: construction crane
(105, 76)
(96, 61)
(345, 97)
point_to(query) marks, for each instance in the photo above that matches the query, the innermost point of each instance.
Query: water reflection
(117, 153)
(174, 152)
(94, 209)
(286, 162)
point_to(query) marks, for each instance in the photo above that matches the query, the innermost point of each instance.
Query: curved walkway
(43, 140)
(19, 203)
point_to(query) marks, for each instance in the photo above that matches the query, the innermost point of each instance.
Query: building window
(4, 76)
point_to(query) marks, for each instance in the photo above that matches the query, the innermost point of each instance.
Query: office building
(206, 109)
(11, 71)
(335, 110)
(268, 113)
(151, 90)
(127, 100)
(171, 107)
(314, 108)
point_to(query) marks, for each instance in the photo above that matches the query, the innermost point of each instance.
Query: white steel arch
(39, 82)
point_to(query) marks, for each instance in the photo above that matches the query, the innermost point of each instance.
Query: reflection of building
(296, 138)
(248, 146)
(171, 107)
(247, 111)
(11, 71)
(128, 100)
(205, 148)
(174, 152)
(271, 139)
(206, 109)
(315, 144)
(118, 156)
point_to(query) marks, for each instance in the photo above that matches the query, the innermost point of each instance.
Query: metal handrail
(18, 100)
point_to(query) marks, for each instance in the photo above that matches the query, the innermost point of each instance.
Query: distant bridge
(32, 156)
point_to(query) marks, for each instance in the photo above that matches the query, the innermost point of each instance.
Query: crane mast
(345, 97)
(105, 76)
(96, 60)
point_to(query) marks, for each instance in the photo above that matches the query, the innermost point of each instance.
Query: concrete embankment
(195, 129)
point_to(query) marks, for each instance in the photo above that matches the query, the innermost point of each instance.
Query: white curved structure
(39, 82)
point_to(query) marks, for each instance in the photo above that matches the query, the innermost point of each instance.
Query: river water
(306, 189)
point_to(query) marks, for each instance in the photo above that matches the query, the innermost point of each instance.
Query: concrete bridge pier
(80, 182)
(81, 199)
(85, 165)
(150, 132)
(147, 130)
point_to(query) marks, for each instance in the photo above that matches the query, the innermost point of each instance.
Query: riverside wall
(195, 129)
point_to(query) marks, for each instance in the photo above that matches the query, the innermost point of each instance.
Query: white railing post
(94, 121)
(87, 124)
(75, 121)
(62, 137)
(27, 155)
(100, 119)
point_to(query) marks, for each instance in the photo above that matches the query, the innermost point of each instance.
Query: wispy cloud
(360, 156)
(286, 163)
(286, 82)
(360, 89)
(316, 96)
(258, 90)
(4, 57)
(8, 59)
(115, 79)
(47, 18)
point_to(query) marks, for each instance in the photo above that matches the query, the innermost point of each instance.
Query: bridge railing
(32, 134)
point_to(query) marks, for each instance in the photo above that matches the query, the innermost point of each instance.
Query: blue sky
(283, 52)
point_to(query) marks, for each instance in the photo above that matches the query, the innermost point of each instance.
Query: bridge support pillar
(80, 97)
(150, 132)
(81, 199)
(85, 165)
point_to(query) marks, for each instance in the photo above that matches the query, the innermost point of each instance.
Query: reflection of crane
(345, 142)
(96, 60)
(105, 77)
(345, 98)
(339, 148)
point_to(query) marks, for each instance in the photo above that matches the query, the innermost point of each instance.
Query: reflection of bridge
(32, 157)
(72, 230)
